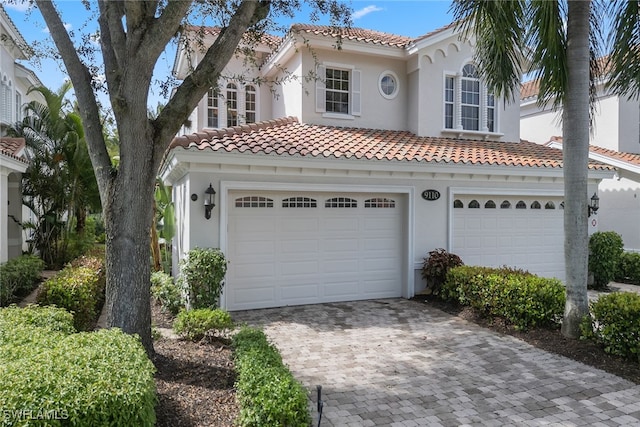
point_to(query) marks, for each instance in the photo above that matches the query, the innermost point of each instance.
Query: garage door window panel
(521, 205)
(253, 202)
(341, 202)
(379, 203)
(299, 202)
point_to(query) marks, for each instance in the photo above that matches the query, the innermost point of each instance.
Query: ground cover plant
(195, 324)
(18, 277)
(79, 288)
(50, 372)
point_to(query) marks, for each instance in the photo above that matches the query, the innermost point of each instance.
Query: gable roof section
(354, 34)
(288, 137)
(12, 147)
(618, 159)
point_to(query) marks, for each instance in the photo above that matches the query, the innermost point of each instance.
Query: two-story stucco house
(15, 81)
(338, 173)
(615, 140)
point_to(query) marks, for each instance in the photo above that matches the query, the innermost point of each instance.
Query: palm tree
(59, 184)
(559, 42)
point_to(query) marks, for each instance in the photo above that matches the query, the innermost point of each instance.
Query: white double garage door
(292, 248)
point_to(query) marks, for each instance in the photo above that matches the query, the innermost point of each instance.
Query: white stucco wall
(620, 210)
(429, 220)
(377, 112)
(629, 125)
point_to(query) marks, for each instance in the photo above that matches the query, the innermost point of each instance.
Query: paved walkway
(396, 362)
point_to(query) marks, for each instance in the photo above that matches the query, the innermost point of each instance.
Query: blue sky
(408, 18)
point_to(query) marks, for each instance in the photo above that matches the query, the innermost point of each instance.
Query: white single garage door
(523, 232)
(305, 248)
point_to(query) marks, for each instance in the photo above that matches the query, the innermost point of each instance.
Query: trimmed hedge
(51, 376)
(78, 288)
(267, 392)
(605, 250)
(201, 277)
(615, 324)
(166, 292)
(525, 300)
(19, 276)
(628, 270)
(194, 324)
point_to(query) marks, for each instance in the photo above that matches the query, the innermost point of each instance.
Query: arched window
(505, 205)
(232, 105)
(299, 202)
(250, 104)
(212, 108)
(535, 205)
(521, 205)
(490, 204)
(549, 205)
(474, 204)
(457, 204)
(470, 98)
(341, 202)
(468, 105)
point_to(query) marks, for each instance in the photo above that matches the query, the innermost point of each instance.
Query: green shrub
(629, 268)
(201, 274)
(194, 324)
(18, 277)
(86, 379)
(615, 324)
(267, 392)
(605, 250)
(435, 268)
(166, 292)
(78, 288)
(523, 299)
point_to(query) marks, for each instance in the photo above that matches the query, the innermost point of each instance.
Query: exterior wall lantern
(209, 201)
(595, 204)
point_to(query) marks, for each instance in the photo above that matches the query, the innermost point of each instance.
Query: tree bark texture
(575, 165)
(132, 39)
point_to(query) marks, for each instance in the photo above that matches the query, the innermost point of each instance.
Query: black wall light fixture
(209, 201)
(595, 204)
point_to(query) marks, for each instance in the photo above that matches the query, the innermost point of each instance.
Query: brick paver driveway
(395, 362)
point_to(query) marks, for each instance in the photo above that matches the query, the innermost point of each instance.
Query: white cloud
(19, 7)
(365, 11)
(66, 27)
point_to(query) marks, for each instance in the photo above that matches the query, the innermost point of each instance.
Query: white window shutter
(321, 99)
(356, 102)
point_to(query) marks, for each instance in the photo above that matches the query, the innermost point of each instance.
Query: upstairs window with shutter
(338, 91)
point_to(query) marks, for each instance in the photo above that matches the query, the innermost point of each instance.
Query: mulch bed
(194, 380)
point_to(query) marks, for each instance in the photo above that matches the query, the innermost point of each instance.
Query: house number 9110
(431, 194)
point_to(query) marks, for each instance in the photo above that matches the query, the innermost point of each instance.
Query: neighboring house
(335, 182)
(615, 140)
(12, 165)
(15, 82)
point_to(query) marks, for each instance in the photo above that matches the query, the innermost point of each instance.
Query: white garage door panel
(288, 256)
(531, 239)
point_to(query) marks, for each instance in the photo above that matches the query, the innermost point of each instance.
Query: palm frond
(496, 27)
(623, 66)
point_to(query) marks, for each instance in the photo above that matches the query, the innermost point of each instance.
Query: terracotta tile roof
(631, 158)
(354, 34)
(436, 31)
(12, 146)
(529, 89)
(268, 39)
(288, 137)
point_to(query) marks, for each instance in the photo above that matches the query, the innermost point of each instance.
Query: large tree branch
(113, 42)
(163, 29)
(206, 74)
(81, 79)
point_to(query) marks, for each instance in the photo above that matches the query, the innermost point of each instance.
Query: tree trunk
(576, 160)
(128, 218)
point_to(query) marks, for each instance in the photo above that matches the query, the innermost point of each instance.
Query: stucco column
(4, 215)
